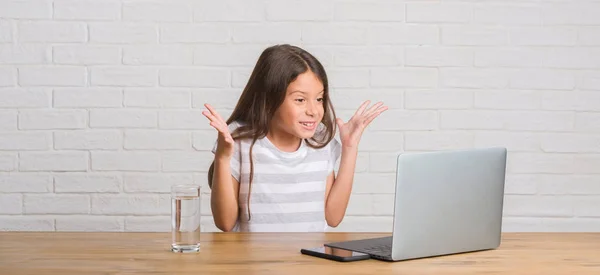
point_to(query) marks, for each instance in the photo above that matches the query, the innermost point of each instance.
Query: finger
(361, 109)
(214, 112)
(375, 114)
(373, 108)
(339, 122)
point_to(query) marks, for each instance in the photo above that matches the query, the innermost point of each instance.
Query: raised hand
(224, 141)
(351, 131)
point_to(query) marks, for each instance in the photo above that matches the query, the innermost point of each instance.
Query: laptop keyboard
(383, 250)
(377, 246)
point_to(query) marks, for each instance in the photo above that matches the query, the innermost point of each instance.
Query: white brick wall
(100, 100)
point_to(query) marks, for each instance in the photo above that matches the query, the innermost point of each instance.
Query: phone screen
(337, 251)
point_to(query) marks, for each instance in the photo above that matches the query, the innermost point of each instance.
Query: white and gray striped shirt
(288, 188)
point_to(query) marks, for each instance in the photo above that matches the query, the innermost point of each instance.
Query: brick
(434, 56)
(405, 120)
(11, 203)
(543, 36)
(438, 99)
(365, 224)
(87, 183)
(125, 161)
(193, 77)
(296, 10)
(474, 35)
(148, 224)
(87, 97)
(123, 33)
(179, 119)
(86, 55)
(157, 98)
(536, 224)
(531, 163)
(537, 206)
(190, 33)
(24, 54)
(522, 14)
(587, 163)
(568, 14)
(90, 224)
(227, 55)
(501, 99)
(229, 11)
(87, 10)
(404, 77)
(570, 143)
(153, 11)
(52, 76)
(323, 53)
(8, 120)
(88, 140)
(53, 161)
(335, 34)
(43, 32)
(57, 204)
(348, 78)
(383, 162)
(225, 98)
(123, 118)
(158, 55)
(587, 206)
(25, 97)
(407, 34)
(351, 99)
(371, 205)
(588, 36)
(473, 78)
(374, 183)
(6, 31)
(131, 204)
(8, 162)
(555, 184)
(589, 81)
(438, 13)
(510, 120)
(26, 9)
(368, 56)
(267, 33)
(124, 76)
(24, 141)
(542, 79)
(521, 184)
(55, 119)
(157, 140)
(155, 183)
(239, 78)
(439, 140)
(504, 57)
(8, 77)
(186, 161)
(586, 122)
(579, 58)
(367, 11)
(374, 141)
(204, 140)
(26, 223)
(570, 100)
(513, 141)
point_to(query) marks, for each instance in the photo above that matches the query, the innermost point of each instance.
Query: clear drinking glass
(185, 218)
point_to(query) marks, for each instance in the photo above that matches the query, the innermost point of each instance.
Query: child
(275, 155)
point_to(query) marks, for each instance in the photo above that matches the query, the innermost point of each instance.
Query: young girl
(275, 155)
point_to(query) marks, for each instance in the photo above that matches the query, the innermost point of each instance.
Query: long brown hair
(265, 91)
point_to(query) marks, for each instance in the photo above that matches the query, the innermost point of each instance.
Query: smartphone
(336, 254)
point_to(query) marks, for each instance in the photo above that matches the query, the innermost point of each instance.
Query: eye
(320, 99)
(300, 99)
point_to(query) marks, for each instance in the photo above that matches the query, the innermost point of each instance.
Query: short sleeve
(235, 162)
(335, 150)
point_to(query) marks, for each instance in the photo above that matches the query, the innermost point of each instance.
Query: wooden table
(279, 253)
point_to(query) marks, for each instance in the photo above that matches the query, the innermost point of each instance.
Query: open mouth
(309, 125)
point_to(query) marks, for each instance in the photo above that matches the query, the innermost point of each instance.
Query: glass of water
(185, 218)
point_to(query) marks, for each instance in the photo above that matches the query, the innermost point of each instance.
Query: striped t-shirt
(288, 188)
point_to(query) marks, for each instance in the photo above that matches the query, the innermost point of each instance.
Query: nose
(311, 109)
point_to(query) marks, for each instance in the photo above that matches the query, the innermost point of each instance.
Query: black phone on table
(336, 254)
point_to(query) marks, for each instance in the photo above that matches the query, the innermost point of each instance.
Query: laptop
(446, 202)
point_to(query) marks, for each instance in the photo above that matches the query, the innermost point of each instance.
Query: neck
(284, 141)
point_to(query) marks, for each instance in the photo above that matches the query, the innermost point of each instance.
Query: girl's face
(303, 107)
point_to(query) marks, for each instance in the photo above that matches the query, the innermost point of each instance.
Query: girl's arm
(338, 189)
(224, 195)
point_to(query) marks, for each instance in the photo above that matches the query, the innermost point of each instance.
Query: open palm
(351, 131)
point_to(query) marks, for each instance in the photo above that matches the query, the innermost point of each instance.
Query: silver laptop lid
(448, 202)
